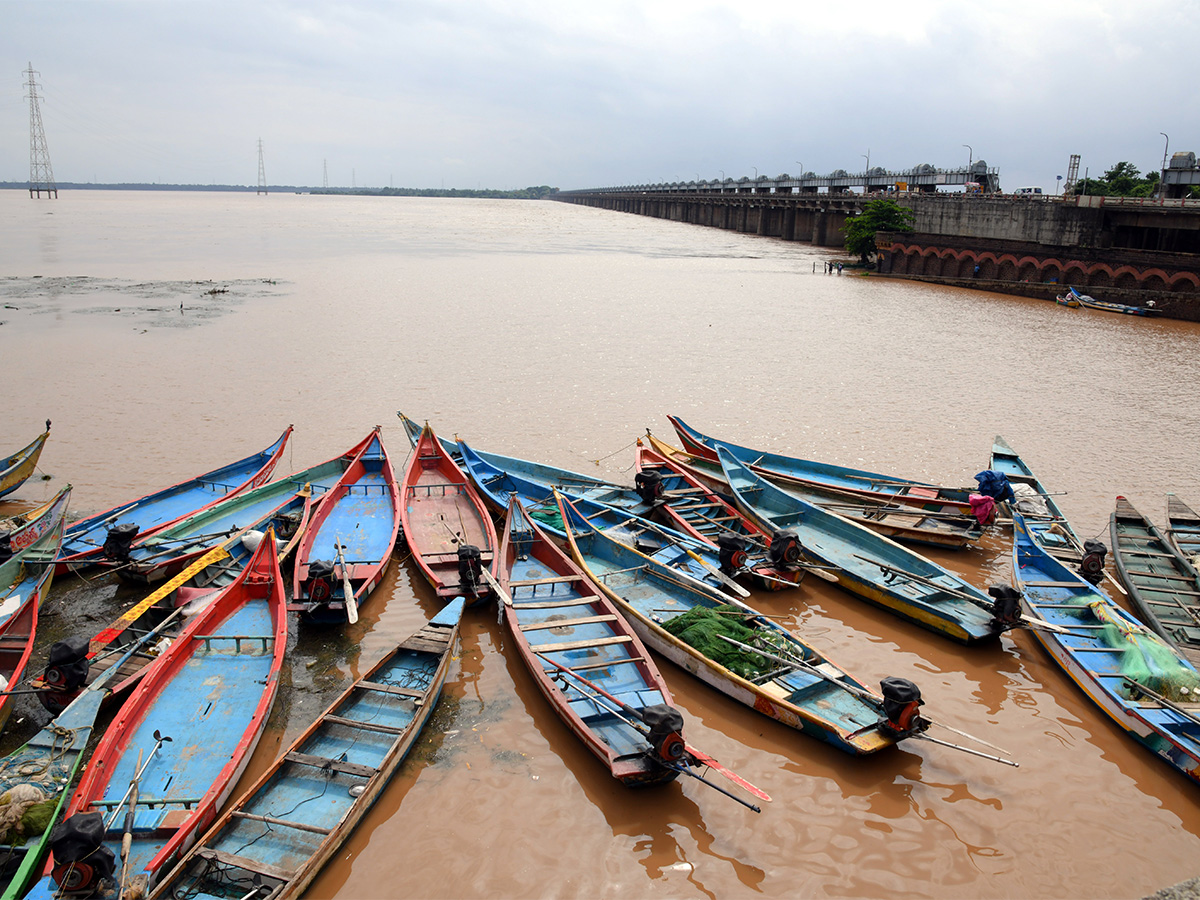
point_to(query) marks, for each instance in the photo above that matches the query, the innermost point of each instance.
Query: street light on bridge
(1162, 181)
(970, 155)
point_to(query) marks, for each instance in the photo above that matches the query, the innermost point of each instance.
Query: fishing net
(701, 628)
(551, 518)
(24, 812)
(1147, 659)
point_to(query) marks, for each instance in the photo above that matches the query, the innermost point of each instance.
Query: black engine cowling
(470, 568)
(666, 731)
(67, 667)
(732, 553)
(901, 703)
(649, 486)
(1091, 567)
(1007, 608)
(785, 548)
(321, 582)
(82, 863)
(118, 542)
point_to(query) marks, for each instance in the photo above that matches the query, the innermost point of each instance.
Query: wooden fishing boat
(558, 617)
(1183, 529)
(275, 835)
(112, 532)
(895, 520)
(25, 579)
(1162, 585)
(349, 541)
(867, 564)
(447, 527)
(691, 557)
(778, 675)
(44, 769)
(1089, 302)
(286, 505)
(193, 721)
(789, 470)
(1137, 679)
(1043, 516)
(1068, 301)
(16, 469)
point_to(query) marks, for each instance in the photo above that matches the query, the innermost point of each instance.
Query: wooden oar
(724, 579)
(505, 596)
(347, 588)
(127, 837)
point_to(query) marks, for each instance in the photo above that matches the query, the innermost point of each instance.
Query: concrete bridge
(1124, 249)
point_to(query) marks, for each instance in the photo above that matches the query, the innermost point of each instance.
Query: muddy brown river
(167, 333)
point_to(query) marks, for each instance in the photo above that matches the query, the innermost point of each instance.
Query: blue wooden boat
(899, 521)
(290, 823)
(1139, 681)
(25, 579)
(113, 531)
(869, 565)
(557, 618)
(16, 469)
(778, 675)
(174, 751)
(1162, 585)
(49, 763)
(1183, 529)
(694, 559)
(1089, 302)
(788, 469)
(285, 504)
(349, 541)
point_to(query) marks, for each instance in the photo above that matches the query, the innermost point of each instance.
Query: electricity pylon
(41, 175)
(262, 171)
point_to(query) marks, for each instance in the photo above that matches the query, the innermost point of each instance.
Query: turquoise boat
(766, 668)
(1136, 679)
(278, 835)
(869, 565)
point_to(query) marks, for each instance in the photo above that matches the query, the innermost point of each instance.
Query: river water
(166, 333)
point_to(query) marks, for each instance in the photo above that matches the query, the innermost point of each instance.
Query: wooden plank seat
(322, 762)
(551, 604)
(283, 823)
(389, 689)
(533, 582)
(365, 726)
(233, 861)
(583, 644)
(567, 623)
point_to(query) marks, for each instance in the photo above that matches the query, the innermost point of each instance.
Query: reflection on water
(561, 333)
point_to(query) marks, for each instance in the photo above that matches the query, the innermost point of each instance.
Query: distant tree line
(529, 193)
(1124, 180)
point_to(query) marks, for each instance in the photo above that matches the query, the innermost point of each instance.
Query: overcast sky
(510, 93)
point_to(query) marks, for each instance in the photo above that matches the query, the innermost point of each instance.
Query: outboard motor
(785, 548)
(901, 702)
(470, 568)
(1091, 567)
(666, 731)
(649, 486)
(1006, 611)
(82, 863)
(116, 545)
(320, 581)
(731, 551)
(995, 485)
(67, 667)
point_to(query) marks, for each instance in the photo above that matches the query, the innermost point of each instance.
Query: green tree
(877, 215)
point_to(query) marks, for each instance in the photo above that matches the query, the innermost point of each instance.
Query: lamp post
(867, 175)
(1162, 180)
(970, 155)
(755, 168)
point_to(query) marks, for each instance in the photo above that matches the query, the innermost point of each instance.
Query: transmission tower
(262, 171)
(41, 175)
(325, 165)
(1072, 173)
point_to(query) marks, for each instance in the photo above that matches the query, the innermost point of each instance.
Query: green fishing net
(33, 821)
(1147, 659)
(700, 626)
(552, 518)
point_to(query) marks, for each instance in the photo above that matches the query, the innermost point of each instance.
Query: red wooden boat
(181, 740)
(448, 529)
(349, 541)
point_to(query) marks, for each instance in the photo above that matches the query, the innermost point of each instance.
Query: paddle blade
(737, 779)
